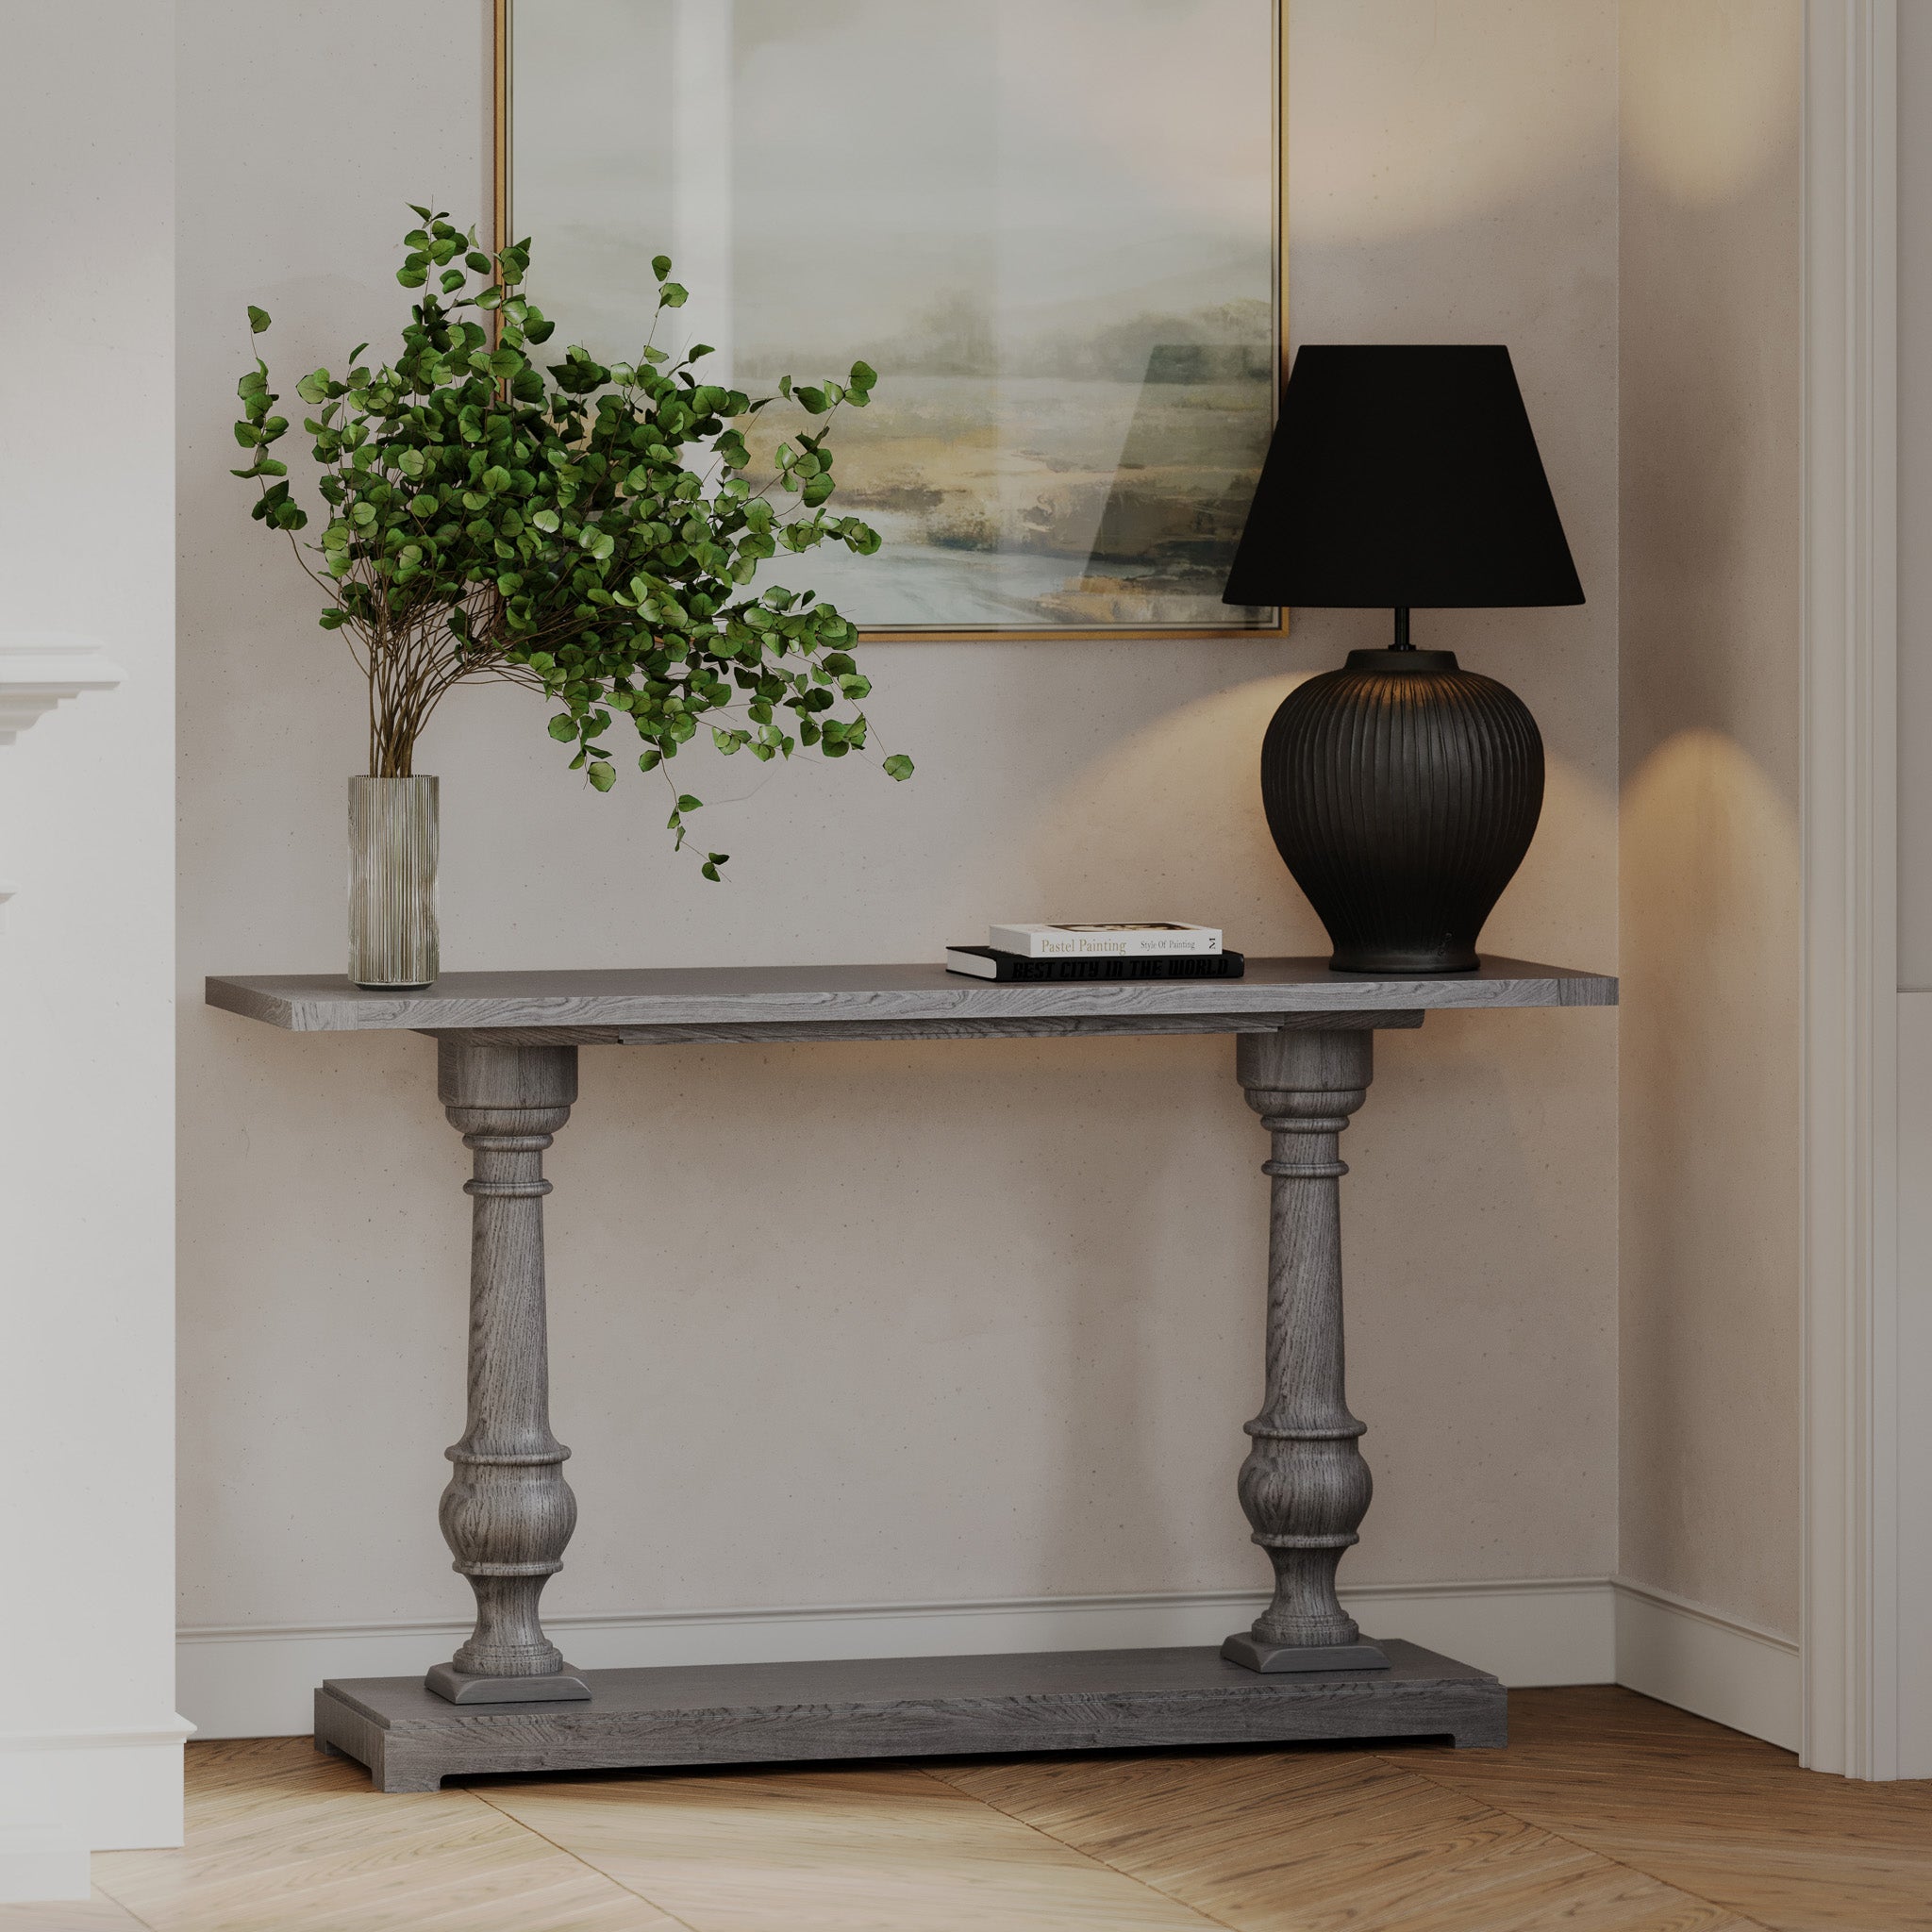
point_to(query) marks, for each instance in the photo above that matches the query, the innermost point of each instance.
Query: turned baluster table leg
(1304, 1487)
(508, 1511)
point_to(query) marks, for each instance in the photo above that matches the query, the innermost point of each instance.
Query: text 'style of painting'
(1051, 225)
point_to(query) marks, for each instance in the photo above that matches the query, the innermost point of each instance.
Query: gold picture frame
(504, 184)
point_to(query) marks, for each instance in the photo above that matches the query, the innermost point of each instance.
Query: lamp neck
(1401, 643)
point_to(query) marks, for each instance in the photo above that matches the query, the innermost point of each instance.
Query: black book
(983, 962)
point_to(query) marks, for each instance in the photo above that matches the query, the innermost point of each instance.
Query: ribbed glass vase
(393, 840)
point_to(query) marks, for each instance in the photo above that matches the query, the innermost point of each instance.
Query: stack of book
(1162, 949)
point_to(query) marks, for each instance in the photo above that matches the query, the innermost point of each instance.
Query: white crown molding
(40, 669)
(1849, 812)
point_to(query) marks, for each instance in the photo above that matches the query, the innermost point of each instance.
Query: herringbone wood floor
(1608, 1813)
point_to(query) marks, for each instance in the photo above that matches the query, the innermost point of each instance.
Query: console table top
(845, 999)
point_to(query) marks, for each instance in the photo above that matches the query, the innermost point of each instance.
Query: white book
(964, 960)
(1124, 940)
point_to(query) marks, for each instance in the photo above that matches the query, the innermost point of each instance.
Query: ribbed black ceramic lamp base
(1402, 791)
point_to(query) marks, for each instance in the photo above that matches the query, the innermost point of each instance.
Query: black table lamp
(1403, 791)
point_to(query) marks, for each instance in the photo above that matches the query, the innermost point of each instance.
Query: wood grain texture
(1337, 1842)
(756, 1033)
(859, 996)
(851, 1850)
(1317, 1840)
(303, 1845)
(508, 1512)
(900, 1707)
(1726, 1816)
(96, 1914)
(1305, 1486)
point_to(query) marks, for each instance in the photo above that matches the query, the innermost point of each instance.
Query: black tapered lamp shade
(1403, 478)
(1403, 791)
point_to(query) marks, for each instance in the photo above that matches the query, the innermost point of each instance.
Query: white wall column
(1855, 1375)
(90, 1743)
(1915, 886)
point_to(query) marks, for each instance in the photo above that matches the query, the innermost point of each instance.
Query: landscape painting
(1051, 225)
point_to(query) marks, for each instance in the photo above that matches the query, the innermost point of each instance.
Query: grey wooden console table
(506, 1071)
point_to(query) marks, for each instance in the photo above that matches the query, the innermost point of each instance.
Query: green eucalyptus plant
(588, 532)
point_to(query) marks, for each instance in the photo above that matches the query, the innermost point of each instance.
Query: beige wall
(1709, 1025)
(892, 1322)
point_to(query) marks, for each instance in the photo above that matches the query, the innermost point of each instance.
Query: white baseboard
(64, 1794)
(257, 1682)
(37, 1866)
(1702, 1661)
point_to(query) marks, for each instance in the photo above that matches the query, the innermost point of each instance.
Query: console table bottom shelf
(929, 1706)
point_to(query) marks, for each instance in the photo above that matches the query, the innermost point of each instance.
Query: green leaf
(660, 266)
(456, 471)
(258, 319)
(863, 375)
(899, 766)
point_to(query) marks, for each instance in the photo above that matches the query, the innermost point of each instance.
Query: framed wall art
(1053, 226)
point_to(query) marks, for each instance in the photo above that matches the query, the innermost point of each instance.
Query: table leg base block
(458, 1687)
(931, 1706)
(1241, 1648)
